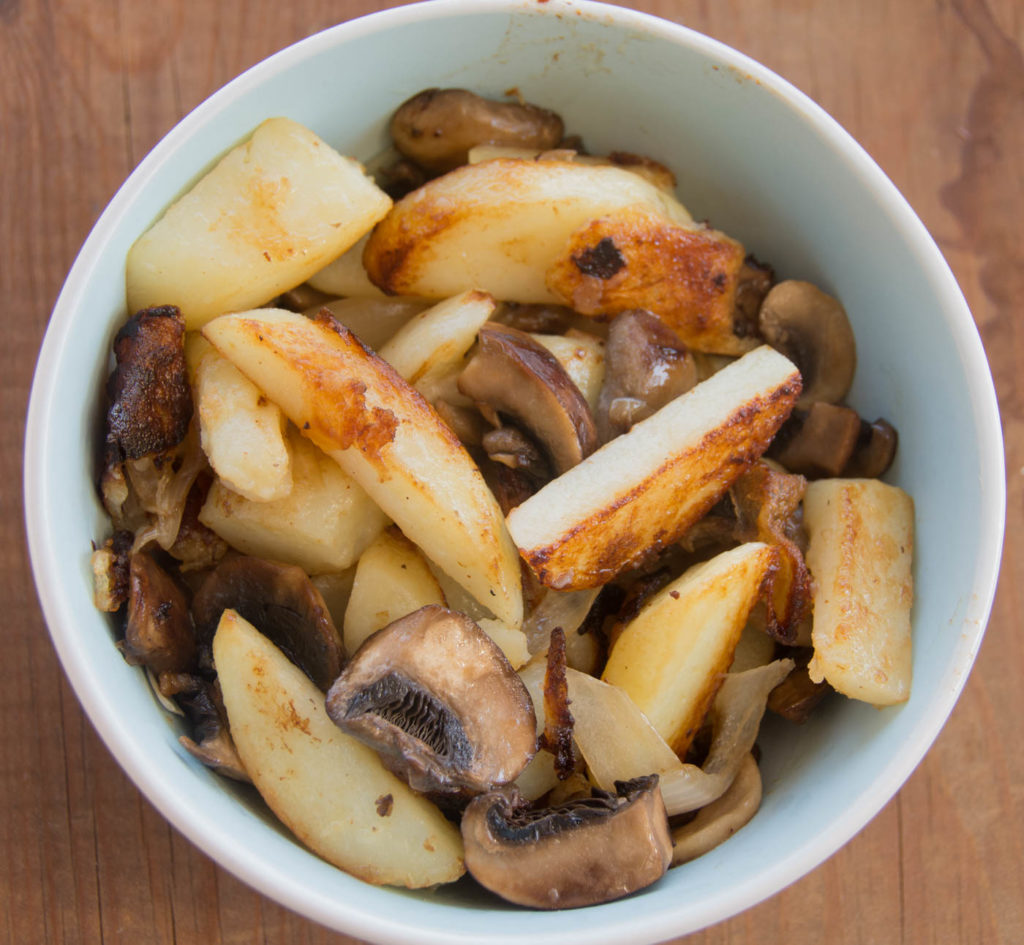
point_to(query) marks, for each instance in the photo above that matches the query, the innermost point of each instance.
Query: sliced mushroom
(210, 742)
(580, 853)
(874, 452)
(646, 366)
(812, 330)
(158, 630)
(150, 401)
(754, 282)
(514, 449)
(516, 375)
(282, 603)
(796, 697)
(817, 442)
(439, 702)
(437, 127)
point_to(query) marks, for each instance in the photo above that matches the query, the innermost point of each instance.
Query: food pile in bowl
(476, 505)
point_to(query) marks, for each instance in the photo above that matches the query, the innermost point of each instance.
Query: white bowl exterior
(764, 164)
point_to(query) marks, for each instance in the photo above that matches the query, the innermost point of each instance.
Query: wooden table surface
(934, 89)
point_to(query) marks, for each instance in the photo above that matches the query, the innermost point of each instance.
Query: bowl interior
(762, 163)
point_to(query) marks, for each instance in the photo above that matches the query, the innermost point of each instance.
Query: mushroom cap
(646, 365)
(516, 375)
(582, 852)
(812, 330)
(158, 627)
(439, 702)
(282, 603)
(436, 128)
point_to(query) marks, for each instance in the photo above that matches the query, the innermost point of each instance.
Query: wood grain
(934, 89)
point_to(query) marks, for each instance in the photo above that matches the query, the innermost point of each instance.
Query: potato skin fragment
(860, 558)
(632, 258)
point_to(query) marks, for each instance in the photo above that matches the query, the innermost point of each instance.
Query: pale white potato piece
(330, 790)
(372, 320)
(241, 432)
(511, 641)
(346, 276)
(614, 737)
(670, 657)
(860, 556)
(430, 348)
(582, 356)
(276, 209)
(392, 579)
(498, 226)
(645, 488)
(355, 407)
(323, 525)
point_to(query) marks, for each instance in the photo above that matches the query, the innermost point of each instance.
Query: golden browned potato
(634, 258)
(329, 789)
(642, 490)
(860, 557)
(670, 657)
(356, 408)
(276, 209)
(498, 226)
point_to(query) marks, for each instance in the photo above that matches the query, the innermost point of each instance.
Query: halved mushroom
(646, 366)
(516, 375)
(812, 330)
(437, 127)
(439, 702)
(582, 852)
(158, 630)
(210, 741)
(282, 603)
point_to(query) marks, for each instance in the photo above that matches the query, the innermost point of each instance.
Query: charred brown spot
(385, 804)
(602, 260)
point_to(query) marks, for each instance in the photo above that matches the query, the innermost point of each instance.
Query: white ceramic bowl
(766, 165)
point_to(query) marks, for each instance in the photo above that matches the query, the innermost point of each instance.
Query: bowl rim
(659, 924)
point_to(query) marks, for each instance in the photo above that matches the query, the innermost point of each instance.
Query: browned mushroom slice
(874, 452)
(646, 366)
(210, 741)
(282, 603)
(158, 630)
(510, 447)
(516, 375)
(753, 284)
(817, 442)
(150, 401)
(583, 852)
(437, 127)
(796, 697)
(812, 330)
(535, 317)
(439, 702)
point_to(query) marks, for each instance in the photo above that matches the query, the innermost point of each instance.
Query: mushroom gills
(587, 850)
(440, 703)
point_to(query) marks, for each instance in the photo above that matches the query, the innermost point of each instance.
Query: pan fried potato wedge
(330, 790)
(498, 226)
(359, 411)
(671, 656)
(642, 490)
(431, 347)
(345, 276)
(860, 557)
(632, 258)
(392, 579)
(242, 433)
(276, 209)
(323, 525)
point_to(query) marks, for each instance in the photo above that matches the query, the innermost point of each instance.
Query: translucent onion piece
(565, 609)
(612, 734)
(735, 720)
(722, 818)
